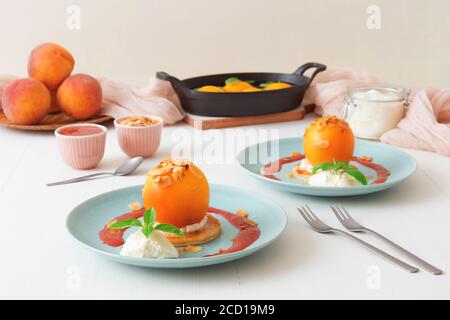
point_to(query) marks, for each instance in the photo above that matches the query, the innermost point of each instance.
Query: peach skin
(80, 97)
(51, 64)
(26, 101)
(328, 139)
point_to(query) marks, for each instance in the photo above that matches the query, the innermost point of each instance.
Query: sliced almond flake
(242, 213)
(301, 172)
(175, 169)
(165, 181)
(156, 172)
(135, 206)
(194, 249)
(322, 144)
(178, 173)
(138, 121)
(179, 162)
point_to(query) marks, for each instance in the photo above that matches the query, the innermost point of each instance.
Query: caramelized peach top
(178, 191)
(328, 139)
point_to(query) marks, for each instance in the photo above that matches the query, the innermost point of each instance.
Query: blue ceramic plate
(400, 164)
(86, 220)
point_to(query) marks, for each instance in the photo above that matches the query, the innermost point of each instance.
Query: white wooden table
(41, 260)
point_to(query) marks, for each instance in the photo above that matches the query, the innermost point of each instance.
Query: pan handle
(176, 83)
(318, 66)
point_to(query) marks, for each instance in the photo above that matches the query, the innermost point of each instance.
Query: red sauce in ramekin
(248, 231)
(79, 131)
(270, 169)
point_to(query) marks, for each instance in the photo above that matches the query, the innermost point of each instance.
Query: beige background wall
(129, 40)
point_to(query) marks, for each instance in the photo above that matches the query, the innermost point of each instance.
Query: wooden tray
(50, 122)
(205, 123)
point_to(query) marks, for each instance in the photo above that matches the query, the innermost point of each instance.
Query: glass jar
(373, 110)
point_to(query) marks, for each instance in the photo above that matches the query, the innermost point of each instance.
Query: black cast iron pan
(247, 103)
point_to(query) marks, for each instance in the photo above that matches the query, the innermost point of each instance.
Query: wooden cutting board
(205, 123)
(50, 122)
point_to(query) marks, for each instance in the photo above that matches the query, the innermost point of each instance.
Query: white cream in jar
(372, 111)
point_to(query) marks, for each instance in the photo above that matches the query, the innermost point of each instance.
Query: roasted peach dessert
(179, 191)
(328, 139)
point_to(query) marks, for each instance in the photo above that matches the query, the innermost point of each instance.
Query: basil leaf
(126, 224)
(170, 229)
(341, 164)
(146, 216)
(232, 80)
(150, 216)
(324, 166)
(250, 81)
(147, 230)
(358, 175)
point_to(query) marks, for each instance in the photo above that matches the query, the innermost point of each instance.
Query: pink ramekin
(82, 152)
(139, 141)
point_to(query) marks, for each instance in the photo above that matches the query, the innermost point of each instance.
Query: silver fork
(352, 225)
(321, 227)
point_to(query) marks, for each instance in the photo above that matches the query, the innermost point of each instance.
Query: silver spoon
(125, 169)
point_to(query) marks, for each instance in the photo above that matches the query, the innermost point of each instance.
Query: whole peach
(80, 97)
(26, 101)
(51, 64)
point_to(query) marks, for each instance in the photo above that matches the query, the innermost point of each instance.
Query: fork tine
(339, 209)
(305, 212)
(303, 215)
(337, 213)
(345, 212)
(306, 208)
(307, 218)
